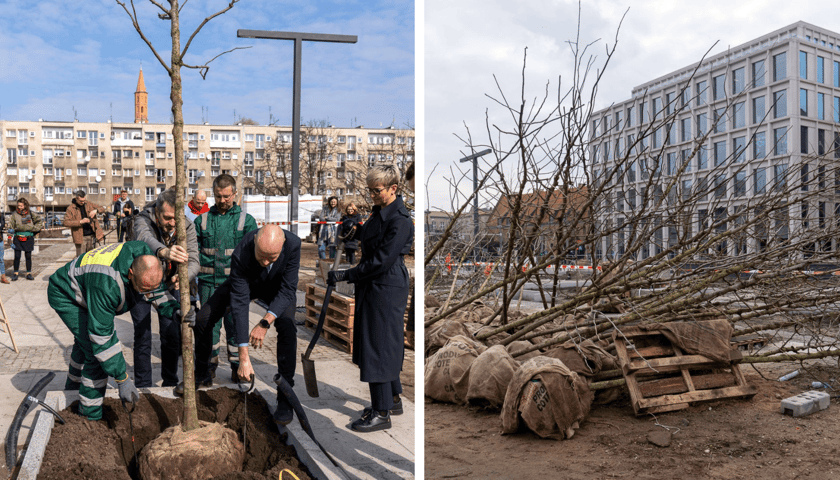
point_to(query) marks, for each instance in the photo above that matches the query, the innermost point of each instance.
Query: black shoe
(179, 390)
(397, 410)
(284, 414)
(14, 277)
(29, 276)
(372, 421)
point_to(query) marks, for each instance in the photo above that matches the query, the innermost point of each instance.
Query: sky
(66, 60)
(469, 41)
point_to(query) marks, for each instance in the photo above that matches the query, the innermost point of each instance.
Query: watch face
(264, 323)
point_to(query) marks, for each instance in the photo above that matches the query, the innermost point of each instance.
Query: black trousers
(382, 394)
(170, 346)
(214, 309)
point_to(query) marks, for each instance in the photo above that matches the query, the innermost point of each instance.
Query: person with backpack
(26, 224)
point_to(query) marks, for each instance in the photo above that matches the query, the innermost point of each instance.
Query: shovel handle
(321, 319)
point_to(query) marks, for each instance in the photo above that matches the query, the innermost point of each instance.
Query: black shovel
(308, 364)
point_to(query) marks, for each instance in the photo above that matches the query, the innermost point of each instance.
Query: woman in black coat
(351, 222)
(381, 281)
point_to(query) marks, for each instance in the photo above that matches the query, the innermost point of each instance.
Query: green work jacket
(218, 234)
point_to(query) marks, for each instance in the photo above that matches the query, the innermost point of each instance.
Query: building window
(759, 181)
(758, 73)
(837, 74)
(720, 153)
(685, 129)
(803, 65)
(685, 96)
(150, 194)
(820, 142)
(739, 116)
(739, 148)
(780, 141)
(718, 87)
(669, 103)
(759, 146)
(803, 177)
(821, 106)
(701, 93)
(720, 120)
(821, 69)
(685, 156)
(657, 108)
(671, 166)
(630, 117)
(644, 114)
(803, 139)
(740, 188)
(836, 109)
(701, 125)
(720, 186)
(779, 104)
(779, 66)
(803, 102)
(702, 158)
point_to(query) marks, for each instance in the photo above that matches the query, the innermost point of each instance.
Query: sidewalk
(45, 343)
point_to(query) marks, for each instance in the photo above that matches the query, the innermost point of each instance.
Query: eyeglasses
(377, 191)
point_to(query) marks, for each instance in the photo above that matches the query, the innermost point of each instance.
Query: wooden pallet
(661, 378)
(750, 343)
(338, 325)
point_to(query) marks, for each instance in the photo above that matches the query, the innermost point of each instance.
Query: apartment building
(48, 161)
(761, 117)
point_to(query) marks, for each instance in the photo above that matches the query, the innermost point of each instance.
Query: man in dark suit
(263, 266)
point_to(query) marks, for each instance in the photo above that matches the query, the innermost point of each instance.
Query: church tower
(141, 101)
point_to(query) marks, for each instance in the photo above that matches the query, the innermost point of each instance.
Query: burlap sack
(584, 358)
(516, 346)
(202, 453)
(490, 374)
(447, 374)
(438, 334)
(549, 398)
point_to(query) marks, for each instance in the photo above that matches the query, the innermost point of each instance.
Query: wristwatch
(264, 324)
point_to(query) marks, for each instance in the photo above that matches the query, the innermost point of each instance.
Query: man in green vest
(219, 232)
(87, 294)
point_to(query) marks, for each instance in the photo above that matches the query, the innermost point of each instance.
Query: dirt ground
(732, 439)
(101, 450)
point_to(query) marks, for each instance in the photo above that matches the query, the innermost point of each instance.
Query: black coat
(248, 281)
(347, 224)
(381, 280)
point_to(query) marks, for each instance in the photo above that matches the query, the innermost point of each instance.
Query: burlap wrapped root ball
(447, 372)
(206, 452)
(490, 374)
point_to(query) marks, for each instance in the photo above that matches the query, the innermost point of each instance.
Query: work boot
(4, 279)
(14, 277)
(284, 413)
(29, 276)
(179, 390)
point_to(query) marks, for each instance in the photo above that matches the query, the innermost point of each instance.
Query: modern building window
(803, 139)
(803, 177)
(702, 158)
(701, 93)
(821, 69)
(740, 188)
(671, 135)
(821, 177)
(669, 103)
(836, 109)
(780, 177)
(720, 153)
(739, 148)
(760, 146)
(618, 125)
(644, 114)
(759, 181)
(739, 115)
(631, 172)
(720, 186)
(738, 81)
(820, 106)
(758, 110)
(657, 108)
(779, 66)
(820, 142)
(685, 157)
(685, 96)
(803, 65)
(836, 74)
(719, 87)
(758, 73)
(779, 104)
(671, 166)
(780, 141)
(685, 129)
(657, 138)
(686, 189)
(701, 125)
(720, 120)
(619, 149)
(803, 102)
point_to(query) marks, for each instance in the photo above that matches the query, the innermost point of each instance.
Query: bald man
(87, 294)
(263, 266)
(197, 205)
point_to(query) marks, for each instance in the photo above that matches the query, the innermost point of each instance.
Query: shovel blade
(309, 377)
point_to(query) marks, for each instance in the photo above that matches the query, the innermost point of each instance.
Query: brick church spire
(141, 101)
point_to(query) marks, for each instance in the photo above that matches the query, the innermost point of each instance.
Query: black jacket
(347, 224)
(381, 280)
(248, 281)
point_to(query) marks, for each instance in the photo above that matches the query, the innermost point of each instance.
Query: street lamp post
(474, 157)
(298, 38)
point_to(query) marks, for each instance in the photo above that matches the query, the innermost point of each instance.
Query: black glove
(189, 318)
(336, 276)
(128, 392)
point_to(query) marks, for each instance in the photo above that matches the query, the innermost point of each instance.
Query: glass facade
(739, 148)
(780, 141)
(720, 153)
(739, 115)
(701, 93)
(803, 102)
(701, 125)
(779, 66)
(803, 65)
(779, 104)
(821, 106)
(759, 181)
(821, 69)
(738, 81)
(718, 87)
(758, 110)
(758, 73)
(760, 145)
(720, 120)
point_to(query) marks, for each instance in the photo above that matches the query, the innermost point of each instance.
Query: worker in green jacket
(219, 231)
(87, 294)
